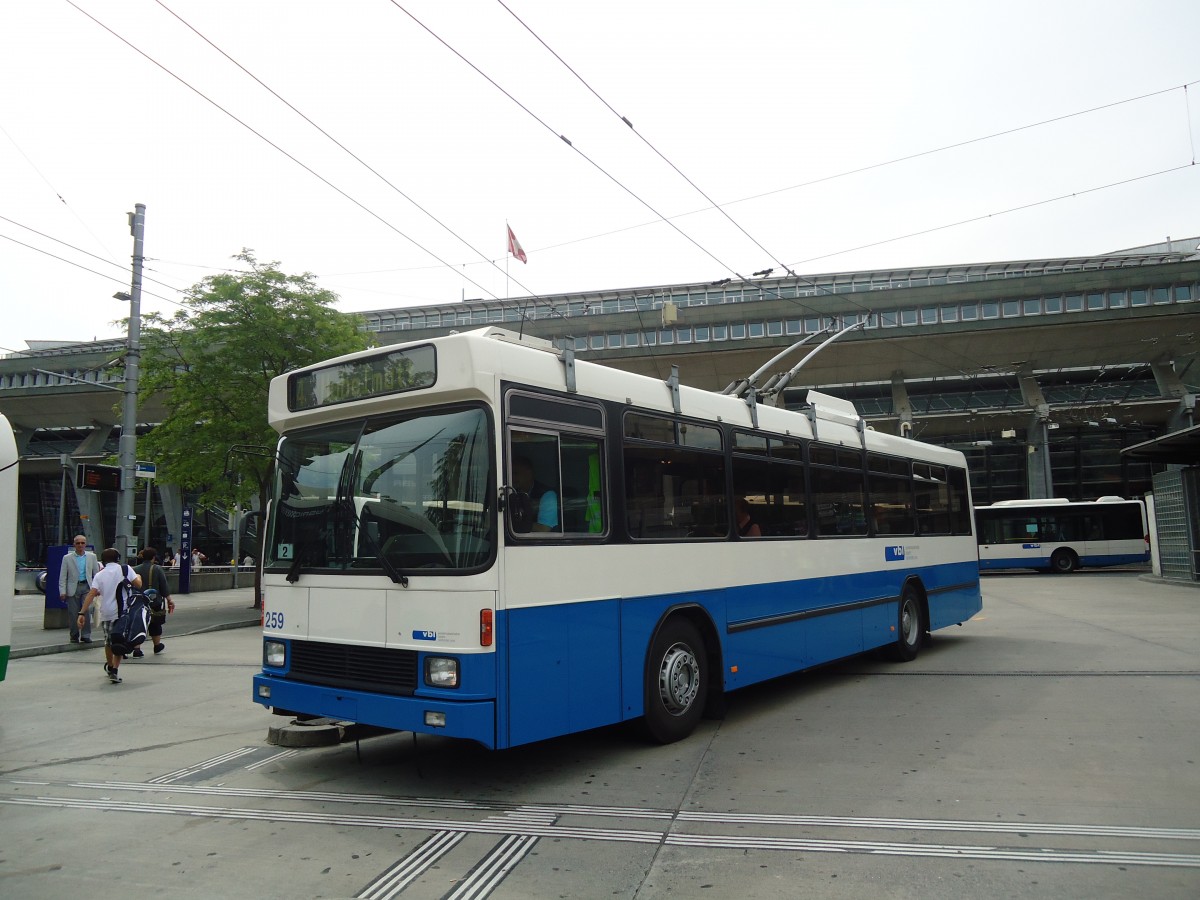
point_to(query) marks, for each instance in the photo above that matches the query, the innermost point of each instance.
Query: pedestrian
(154, 578)
(104, 587)
(75, 576)
(198, 559)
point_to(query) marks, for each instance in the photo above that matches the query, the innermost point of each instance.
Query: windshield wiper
(388, 566)
(293, 574)
(344, 514)
(346, 524)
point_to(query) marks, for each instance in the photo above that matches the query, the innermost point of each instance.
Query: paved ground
(1048, 748)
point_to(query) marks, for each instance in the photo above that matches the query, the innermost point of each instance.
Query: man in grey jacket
(74, 580)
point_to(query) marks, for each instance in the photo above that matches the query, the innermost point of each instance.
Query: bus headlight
(441, 671)
(274, 653)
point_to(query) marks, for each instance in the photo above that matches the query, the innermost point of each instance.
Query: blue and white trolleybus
(1061, 536)
(480, 536)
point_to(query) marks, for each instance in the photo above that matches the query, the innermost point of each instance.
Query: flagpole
(507, 257)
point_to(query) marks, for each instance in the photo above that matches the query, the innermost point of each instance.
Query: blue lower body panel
(1115, 559)
(1016, 562)
(562, 669)
(565, 668)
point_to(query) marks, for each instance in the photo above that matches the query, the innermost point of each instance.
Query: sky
(384, 145)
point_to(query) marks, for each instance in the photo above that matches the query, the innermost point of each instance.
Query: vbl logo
(893, 554)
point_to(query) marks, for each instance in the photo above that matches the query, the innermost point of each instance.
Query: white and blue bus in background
(8, 539)
(481, 537)
(1060, 535)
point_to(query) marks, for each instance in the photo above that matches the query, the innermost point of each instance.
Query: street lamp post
(127, 452)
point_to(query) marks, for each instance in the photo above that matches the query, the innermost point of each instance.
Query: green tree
(213, 364)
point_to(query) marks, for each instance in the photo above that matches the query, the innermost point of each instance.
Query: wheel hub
(678, 679)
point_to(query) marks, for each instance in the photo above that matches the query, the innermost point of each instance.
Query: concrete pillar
(93, 443)
(1168, 380)
(1039, 481)
(1171, 385)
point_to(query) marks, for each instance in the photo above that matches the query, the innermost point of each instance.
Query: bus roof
(470, 362)
(1056, 501)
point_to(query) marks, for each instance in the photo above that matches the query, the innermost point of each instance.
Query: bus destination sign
(375, 376)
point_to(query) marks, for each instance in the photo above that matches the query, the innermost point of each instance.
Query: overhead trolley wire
(959, 144)
(743, 279)
(645, 141)
(57, 193)
(274, 145)
(884, 163)
(562, 137)
(93, 256)
(968, 142)
(1002, 212)
(80, 266)
(597, 166)
(353, 156)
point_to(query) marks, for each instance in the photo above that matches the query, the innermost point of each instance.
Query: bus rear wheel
(910, 625)
(676, 682)
(1063, 562)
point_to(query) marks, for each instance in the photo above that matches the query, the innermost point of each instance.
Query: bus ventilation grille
(360, 668)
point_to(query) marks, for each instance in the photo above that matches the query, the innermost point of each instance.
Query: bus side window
(582, 502)
(534, 461)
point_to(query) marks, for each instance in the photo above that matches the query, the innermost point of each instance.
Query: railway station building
(1043, 371)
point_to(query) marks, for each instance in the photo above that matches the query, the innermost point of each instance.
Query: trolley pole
(127, 454)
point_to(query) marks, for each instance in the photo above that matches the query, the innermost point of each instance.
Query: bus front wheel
(1063, 562)
(676, 682)
(910, 625)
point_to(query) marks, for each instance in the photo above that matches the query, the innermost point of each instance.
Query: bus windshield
(397, 494)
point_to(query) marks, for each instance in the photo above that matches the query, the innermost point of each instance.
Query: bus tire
(676, 681)
(1063, 562)
(910, 625)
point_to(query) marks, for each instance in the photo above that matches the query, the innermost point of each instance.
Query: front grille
(360, 668)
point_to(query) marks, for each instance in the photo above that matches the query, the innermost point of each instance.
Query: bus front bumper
(472, 720)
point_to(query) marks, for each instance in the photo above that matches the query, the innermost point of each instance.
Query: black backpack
(132, 626)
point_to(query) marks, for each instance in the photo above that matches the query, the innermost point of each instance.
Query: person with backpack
(105, 585)
(161, 604)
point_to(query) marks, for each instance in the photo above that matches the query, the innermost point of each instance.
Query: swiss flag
(515, 248)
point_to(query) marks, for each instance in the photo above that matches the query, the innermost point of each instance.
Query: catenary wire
(85, 268)
(317, 175)
(484, 257)
(721, 209)
(57, 193)
(564, 139)
(959, 144)
(1002, 212)
(714, 204)
(94, 256)
(274, 145)
(605, 172)
(862, 308)
(894, 161)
